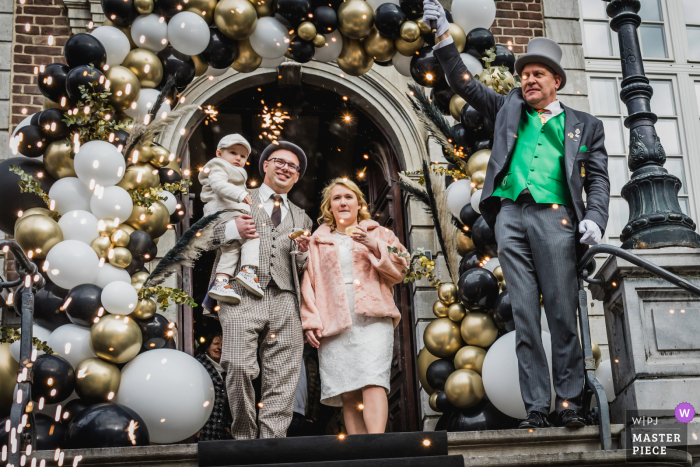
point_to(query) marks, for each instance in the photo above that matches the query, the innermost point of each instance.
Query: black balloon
(503, 312)
(441, 424)
(474, 122)
(387, 63)
(52, 125)
(35, 119)
(448, 15)
(32, 143)
(473, 53)
(50, 434)
(135, 265)
(388, 19)
(107, 426)
(504, 57)
(178, 64)
(483, 144)
(221, 51)
(459, 137)
(168, 175)
(481, 417)
(484, 239)
(469, 261)
(13, 200)
(441, 95)
(54, 379)
(139, 243)
(302, 51)
(83, 304)
(120, 12)
(52, 81)
(426, 69)
(86, 49)
(478, 289)
(438, 372)
(443, 405)
(412, 8)
(468, 215)
(120, 137)
(480, 39)
(73, 408)
(156, 332)
(177, 216)
(325, 19)
(152, 252)
(295, 11)
(84, 76)
(47, 306)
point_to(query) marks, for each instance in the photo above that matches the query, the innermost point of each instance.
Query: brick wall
(518, 22)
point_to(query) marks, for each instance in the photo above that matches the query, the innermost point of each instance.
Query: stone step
(615, 458)
(423, 461)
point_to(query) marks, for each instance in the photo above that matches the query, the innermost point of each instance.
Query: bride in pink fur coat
(347, 306)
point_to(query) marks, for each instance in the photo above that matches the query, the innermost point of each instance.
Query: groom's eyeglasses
(281, 164)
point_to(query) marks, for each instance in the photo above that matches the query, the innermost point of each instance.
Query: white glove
(433, 11)
(590, 231)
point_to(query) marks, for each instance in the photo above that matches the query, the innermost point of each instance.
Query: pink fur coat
(324, 304)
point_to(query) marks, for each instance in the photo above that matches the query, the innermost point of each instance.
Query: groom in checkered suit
(268, 326)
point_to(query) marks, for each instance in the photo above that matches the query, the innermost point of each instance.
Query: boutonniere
(584, 148)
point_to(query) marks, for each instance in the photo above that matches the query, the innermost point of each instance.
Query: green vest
(538, 162)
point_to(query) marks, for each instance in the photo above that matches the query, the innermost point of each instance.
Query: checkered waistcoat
(276, 263)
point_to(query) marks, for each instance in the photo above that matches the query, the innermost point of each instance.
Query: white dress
(360, 356)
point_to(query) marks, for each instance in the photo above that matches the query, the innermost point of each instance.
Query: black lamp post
(656, 219)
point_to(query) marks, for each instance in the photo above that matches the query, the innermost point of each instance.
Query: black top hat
(289, 147)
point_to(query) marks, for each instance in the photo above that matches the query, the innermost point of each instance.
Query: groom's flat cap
(289, 147)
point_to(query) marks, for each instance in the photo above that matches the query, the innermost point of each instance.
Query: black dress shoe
(535, 420)
(571, 419)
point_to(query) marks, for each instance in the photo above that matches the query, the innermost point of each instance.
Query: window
(691, 14)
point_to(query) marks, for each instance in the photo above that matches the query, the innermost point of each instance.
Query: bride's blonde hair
(327, 216)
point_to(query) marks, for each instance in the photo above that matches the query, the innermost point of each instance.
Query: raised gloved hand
(590, 231)
(433, 11)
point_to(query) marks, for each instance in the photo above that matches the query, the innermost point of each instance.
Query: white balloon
(23, 123)
(471, 14)
(188, 33)
(111, 202)
(476, 199)
(604, 375)
(472, 63)
(70, 194)
(108, 274)
(170, 201)
(211, 71)
(376, 3)
(72, 342)
(332, 49)
(150, 33)
(459, 194)
(270, 39)
(79, 225)
(115, 43)
(99, 163)
(71, 263)
(147, 387)
(119, 298)
(501, 379)
(37, 331)
(272, 62)
(147, 99)
(402, 64)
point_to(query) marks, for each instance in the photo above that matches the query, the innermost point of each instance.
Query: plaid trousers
(271, 326)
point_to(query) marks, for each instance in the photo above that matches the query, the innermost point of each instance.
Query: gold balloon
(408, 49)
(37, 234)
(458, 36)
(200, 66)
(120, 256)
(306, 31)
(57, 159)
(355, 19)
(137, 285)
(410, 31)
(140, 276)
(479, 329)
(425, 358)
(488, 76)
(144, 7)
(97, 380)
(504, 286)
(146, 66)
(439, 309)
(464, 388)
(478, 178)
(597, 354)
(236, 18)
(319, 40)
(106, 227)
(380, 47)
(248, 60)
(8, 379)
(173, 165)
(432, 401)
(101, 245)
(33, 212)
(116, 338)
(447, 293)
(120, 238)
(456, 312)
(424, 28)
(49, 104)
(470, 357)
(479, 161)
(264, 7)
(139, 176)
(464, 244)
(154, 220)
(145, 154)
(145, 308)
(161, 156)
(354, 59)
(442, 337)
(204, 8)
(126, 228)
(456, 104)
(498, 272)
(124, 86)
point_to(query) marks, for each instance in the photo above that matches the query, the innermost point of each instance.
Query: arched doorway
(352, 127)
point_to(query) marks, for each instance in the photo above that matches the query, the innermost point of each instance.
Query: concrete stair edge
(614, 458)
(482, 438)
